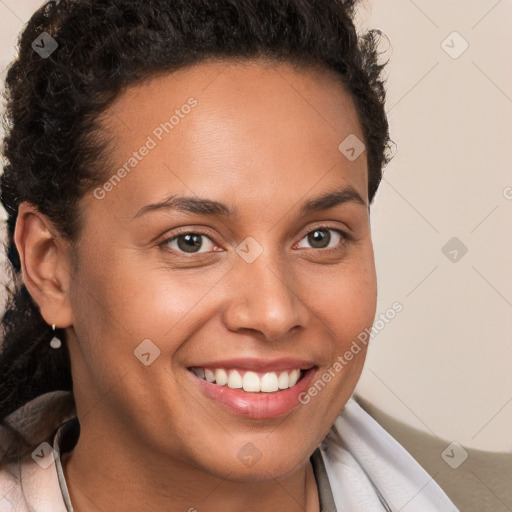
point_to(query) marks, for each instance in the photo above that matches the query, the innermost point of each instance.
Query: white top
(368, 471)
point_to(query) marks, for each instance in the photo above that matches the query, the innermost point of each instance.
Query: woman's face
(262, 284)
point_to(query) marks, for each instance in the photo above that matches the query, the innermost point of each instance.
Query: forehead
(228, 85)
(256, 125)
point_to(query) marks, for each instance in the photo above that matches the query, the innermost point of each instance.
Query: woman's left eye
(192, 242)
(320, 238)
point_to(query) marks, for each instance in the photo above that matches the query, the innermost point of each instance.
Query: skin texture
(263, 138)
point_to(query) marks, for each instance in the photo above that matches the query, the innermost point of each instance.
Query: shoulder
(366, 463)
(11, 492)
(30, 486)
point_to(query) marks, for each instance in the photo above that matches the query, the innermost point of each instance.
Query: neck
(102, 475)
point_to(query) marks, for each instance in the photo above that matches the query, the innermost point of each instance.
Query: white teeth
(221, 377)
(283, 380)
(250, 381)
(269, 382)
(293, 378)
(209, 375)
(234, 380)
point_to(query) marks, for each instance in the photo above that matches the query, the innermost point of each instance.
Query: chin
(249, 464)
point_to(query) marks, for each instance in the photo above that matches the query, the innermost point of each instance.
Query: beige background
(443, 365)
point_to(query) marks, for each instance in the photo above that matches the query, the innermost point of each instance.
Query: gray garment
(322, 482)
(67, 435)
(64, 441)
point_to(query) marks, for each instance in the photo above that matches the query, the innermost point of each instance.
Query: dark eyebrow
(346, 194)
(190, 204)
(209, 207)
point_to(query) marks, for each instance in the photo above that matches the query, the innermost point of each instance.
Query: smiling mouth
(250, 381)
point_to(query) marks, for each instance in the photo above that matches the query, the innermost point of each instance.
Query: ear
(45, 264)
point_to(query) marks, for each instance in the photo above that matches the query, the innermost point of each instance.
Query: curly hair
(54, 151)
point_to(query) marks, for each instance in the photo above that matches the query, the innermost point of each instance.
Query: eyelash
(345, 239)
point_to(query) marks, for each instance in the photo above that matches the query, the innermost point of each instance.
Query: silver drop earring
(55, 342)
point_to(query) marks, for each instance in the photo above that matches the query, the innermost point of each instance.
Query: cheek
(121, 301)
(118, 304)
(344, 297)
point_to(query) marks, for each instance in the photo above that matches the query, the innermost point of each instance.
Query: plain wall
(443, 364)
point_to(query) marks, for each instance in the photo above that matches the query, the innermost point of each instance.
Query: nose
(264, 297)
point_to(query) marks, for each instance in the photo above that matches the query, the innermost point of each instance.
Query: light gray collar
(57, 443)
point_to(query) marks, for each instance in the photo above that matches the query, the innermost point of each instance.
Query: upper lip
(257, 365)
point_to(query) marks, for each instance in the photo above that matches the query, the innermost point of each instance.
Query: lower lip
(257, 405)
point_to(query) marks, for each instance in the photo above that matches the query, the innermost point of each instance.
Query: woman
(188, 187)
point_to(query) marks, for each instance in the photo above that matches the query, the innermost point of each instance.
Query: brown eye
(321, 238)
(188, 242)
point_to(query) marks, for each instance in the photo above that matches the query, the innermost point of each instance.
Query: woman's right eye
(189, 242)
